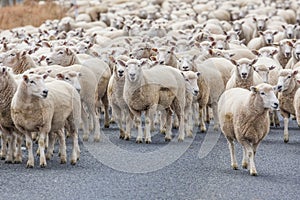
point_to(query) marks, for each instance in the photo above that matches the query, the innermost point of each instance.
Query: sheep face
(244, 70)
(289, 30)
(11, 58)
(260, 23)
(60, 56)
(268, 36)
(191, 81)
(285, 79)
(70, 77)
(285, 47)
(267, 95)
(133, 69)
(119, 70)
(263, 71)
(186, 63)
(3, 77)
(164, 55)
(35, 85)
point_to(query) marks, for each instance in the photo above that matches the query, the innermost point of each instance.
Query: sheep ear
(233, 61)
(153, 58)
(295, 72)
(261, 33)
(45, 76)
(25, 78)
(255, 52)
(254, 19)
(272, 67)
(60, 76)
(68, 51)
(154, 49)
(253, 89)
(121, 62)
(253, 62)
(275, 32)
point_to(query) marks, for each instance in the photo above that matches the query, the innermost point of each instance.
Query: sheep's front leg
(51, 144)
(286, 129)
(234, 164)
(202, 121)
(250, 153)
(42, 138)
(75, 149)
(138, 122)
(245, 158)
(30, 162)
(85, 122)
(216, 118)
(117, 113)
(3, 146)
(129, 118)
(148, 121)
(163, 122)
(18, 153)
(168, 136)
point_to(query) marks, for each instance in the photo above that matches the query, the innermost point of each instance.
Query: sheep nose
(121, 71)
(196, 92)
(276, 105)
(279, 87)
(289, 36)
(288, 54)
(244, 74)
(47, 59)
(269, 41)
(161, 62)
(185, 68)
(45, 93)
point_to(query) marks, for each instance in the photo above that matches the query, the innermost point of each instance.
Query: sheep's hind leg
(168, 136)
(30, 162)
(3, 146)
(129, 118)
(10, 148)
(85, 122)
(18, 152)
(42, 140)
(245, 158)
(234, 164)
(286, 131)
(148, 121)
(138, 122)
(50, 148)
(62, 147)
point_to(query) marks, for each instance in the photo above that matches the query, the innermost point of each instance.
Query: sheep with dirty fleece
(244, 116)
(160, 87)
(54, 104)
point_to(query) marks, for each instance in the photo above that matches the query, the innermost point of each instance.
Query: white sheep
(287, 86)
(266, 39)
(244, 116)
(145, 90)
(244, 75)
(285, 51)
(46, 102)
(11, 137)
(295, 55)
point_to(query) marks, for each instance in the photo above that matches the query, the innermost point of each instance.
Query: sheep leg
(249, 149)
(3, 146)
(216, 118)
(50, 148)
(234, 164)
(202, 123)
(42, 140)
(18, 153)
(30, 162)
(187, 121)
(106, 108)
(162, 128)
(96, 122)
(148, 121)
(276, 119)
(62, 146)
(138, 122)
(85, 122)
(10, 147)
(206, 109)
(245, 158)
(129, 118)
(75, 150)
(117, 113)
(168, 136)
(196, 114)
(286, 131)
(176, 122)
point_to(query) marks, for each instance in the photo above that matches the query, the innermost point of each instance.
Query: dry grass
(30, 13)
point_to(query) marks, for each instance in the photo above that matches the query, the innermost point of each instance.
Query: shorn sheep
(160, 87)
(46, 108)
(244, 116)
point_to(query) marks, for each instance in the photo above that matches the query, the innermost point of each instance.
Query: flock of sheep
(167, 63)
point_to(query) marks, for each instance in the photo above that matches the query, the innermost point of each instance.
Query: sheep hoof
(48, 156)
(122, 137)
(180, 140)
(29, 165)
(63, 161)
(175, 126)
(43, 165)
(245, 165)
(286, 140)
(96, 139)
(163, 131)
(2, 158)
(18, 161)
(253, 173)
(168, 139)
(85, 138)
(203, 130)
(73, 162)
(9, 162)
(127, 137)
(106, 125)
(148, 141)
(234, 166)
(139, 141)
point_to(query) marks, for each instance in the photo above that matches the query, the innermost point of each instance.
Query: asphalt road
(198, 168)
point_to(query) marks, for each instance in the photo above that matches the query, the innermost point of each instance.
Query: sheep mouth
(49, 62)
(44, 96)
(244, 77)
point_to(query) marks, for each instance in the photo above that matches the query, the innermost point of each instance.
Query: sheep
(65, 57)
(10, 135)
(88, 94)
(145, 90)
(166, 55)
(119, 107)
(46, 101)
(287, 86)
(285, 51)
(266, 39)
(295, 55)
(243, 30)
(244, 116)
(244, 75)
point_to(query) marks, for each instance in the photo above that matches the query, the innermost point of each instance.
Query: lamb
(65, 57)
(244, 75)
(287, 86)
(145, 90)
(244, 116)
(10, 135)
(54, 104)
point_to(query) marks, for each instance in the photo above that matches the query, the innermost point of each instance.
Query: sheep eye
(289, 77)
(12, 54)
(32, 82)
(67, 78)
(60, 52)
(262, 93)
(169, 52)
